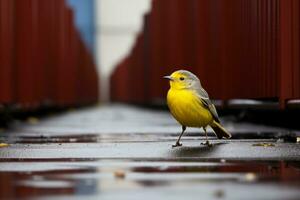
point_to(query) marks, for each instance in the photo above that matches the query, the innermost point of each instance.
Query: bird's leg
(206, 142)
(177, 142)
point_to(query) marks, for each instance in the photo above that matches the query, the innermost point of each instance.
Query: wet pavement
(122, 152)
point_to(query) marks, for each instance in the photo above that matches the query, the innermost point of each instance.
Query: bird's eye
(181, 78)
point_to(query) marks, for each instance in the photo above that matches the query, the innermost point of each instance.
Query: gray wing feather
(202, 93)
(207, 103)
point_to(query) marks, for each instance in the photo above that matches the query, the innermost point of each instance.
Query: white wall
(118, 22)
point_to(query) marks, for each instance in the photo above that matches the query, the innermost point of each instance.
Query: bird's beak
(168, 77)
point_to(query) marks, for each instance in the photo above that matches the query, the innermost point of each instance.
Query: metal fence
(239, 49)
(43, 60)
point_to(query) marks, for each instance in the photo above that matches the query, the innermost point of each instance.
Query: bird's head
(183, 79)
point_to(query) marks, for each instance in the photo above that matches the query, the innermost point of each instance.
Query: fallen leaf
(219, 193)
(32, 120)
(264, 144)
(3, 145)
(119, 174)
(250, 177)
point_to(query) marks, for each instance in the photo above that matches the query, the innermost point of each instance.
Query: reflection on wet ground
(126, 153)
(92, 178)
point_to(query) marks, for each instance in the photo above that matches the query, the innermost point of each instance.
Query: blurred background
(65, 53)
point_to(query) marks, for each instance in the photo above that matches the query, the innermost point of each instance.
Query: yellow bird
(190, 105)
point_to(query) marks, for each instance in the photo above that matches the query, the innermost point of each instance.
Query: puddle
(71, 178)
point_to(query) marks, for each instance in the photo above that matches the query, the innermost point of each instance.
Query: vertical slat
(156, 51)
(136, 70)
(226, 26)
(295, 47)
(285, 51)
(44, 74)
(202, 38)
(50, 34)
(61, 47)
(26, 50)
(274, 64)
(147, 56)
(6, 51)
(69, 72)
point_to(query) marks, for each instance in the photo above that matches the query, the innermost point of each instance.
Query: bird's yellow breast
(188, 109)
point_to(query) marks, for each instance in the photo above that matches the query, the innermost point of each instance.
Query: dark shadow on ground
(192, 151)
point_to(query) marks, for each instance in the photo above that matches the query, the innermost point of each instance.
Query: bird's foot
(178, 144)
(207, 143)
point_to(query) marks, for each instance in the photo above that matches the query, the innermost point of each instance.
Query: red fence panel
(207, 38)
(42, 56)
(7, 82)
(239, 49)
(155, 54)
(289, 78)
(26, 51)
(44, 75)
(137, 73)
(120, 82)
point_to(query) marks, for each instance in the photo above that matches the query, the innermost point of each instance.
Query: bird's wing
(202, 94)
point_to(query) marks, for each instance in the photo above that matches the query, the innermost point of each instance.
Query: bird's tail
(219, 130)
